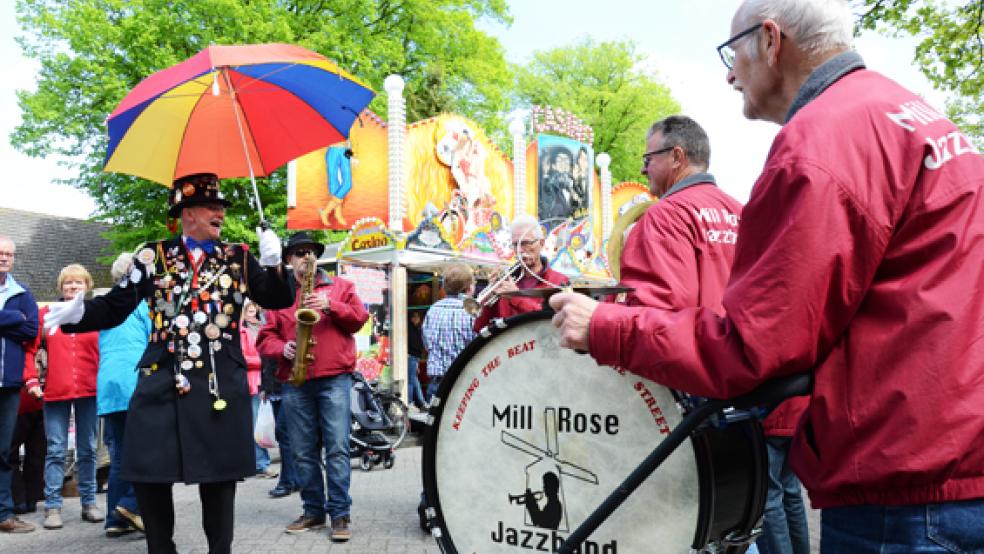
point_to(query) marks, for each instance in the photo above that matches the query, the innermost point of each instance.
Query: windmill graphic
(544, 474)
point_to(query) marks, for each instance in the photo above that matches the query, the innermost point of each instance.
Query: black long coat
(172, 437)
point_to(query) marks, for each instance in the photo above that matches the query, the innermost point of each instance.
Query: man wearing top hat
(190, 416)
(318, 411)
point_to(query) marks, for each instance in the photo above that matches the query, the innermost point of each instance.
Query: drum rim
(428, 456)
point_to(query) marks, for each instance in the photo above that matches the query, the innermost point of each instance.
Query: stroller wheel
(389, 461)
(366, 462)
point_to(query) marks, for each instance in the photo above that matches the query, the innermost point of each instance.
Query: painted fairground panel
(345, 182)
(564, 178)
(372, 341)
(459, 190)
(628, 194)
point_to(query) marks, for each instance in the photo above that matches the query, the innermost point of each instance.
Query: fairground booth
(416, 197)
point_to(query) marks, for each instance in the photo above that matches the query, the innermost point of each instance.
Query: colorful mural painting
(628, 194)
(452, 166)
(345, 182)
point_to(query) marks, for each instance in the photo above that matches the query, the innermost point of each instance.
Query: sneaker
(120, 530)
(133, 519)
(92, 514)
(304, 523)
(52, 518)
(15, 525)
(280, 491)
(340, 529)
(269, 473)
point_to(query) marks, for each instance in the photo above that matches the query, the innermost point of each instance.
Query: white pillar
(396, 134)
(518, 131)
(604, 161)
(398, 328)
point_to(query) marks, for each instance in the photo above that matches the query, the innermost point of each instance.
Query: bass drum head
(528, 438)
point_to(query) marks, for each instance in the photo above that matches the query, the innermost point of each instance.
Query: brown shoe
(304, 523)
(340, 529)
(14, 525)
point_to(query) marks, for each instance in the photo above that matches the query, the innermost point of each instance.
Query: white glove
(270, 249)
(62, 313)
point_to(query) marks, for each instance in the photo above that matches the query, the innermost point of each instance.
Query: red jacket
(247, 343)
(679, 253)
(73, 361)
(861, 259)
(515, 305)
(334, 351)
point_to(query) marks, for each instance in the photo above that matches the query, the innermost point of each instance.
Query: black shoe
(279, 492)
(124, 528)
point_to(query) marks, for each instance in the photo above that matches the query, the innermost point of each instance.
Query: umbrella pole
(242, 137)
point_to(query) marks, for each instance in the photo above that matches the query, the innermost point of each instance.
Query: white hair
(817, 26)
(526, 224)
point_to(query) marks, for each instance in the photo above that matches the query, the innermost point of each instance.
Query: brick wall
(47, 243)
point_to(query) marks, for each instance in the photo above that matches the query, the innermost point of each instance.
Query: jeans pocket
(956, 526)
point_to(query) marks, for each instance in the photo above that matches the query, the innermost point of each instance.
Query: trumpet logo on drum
(546, 507)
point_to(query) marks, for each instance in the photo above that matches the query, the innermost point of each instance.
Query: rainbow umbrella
(234, 111)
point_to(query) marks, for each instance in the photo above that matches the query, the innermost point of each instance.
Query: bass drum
(527, 438)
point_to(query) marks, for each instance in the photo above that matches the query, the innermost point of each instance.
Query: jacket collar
(12, 289)
(695, 179)
(822, 77)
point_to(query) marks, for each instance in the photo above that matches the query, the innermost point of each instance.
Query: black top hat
(194, 189)
(300, 239)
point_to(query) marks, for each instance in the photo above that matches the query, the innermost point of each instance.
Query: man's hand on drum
(573, 318)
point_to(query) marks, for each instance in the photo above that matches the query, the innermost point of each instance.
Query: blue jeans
(785, 529)
(321, 410)
(56, 415)
(415, 394)
(433, 383)
(262, 456)
(9, 402)
(118, 492)
(916, 529)
(288, 472)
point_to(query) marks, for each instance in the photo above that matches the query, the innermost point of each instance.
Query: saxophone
(306, 319)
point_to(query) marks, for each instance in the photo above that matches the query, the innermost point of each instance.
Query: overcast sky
(677, 39)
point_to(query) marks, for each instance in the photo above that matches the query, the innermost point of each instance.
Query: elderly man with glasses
(860, 261)
(533, 273)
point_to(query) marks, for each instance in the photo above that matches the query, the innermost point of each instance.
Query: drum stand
(771, 393)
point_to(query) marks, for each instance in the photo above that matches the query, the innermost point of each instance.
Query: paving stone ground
(383, 512)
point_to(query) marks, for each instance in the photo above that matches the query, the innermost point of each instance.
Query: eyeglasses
(649, 155)
(301, 252)
(524, 243)
(727, 52)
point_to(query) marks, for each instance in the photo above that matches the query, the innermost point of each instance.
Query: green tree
(950, 52)
(92, 52)
(602, 84)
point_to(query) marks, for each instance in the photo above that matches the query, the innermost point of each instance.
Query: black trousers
(157, 509)
(27, 484)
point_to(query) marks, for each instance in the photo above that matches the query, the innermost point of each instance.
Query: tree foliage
(601, 83)
(92, 52)
(950, 52)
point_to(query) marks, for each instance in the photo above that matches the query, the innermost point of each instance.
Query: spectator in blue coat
(18, 325)
(120, 349)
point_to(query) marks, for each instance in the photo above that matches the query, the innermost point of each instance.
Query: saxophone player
(319, 406)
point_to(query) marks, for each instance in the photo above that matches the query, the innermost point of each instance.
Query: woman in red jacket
(73, 360)
(249, 327)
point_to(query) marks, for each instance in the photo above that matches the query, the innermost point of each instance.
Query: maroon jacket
(73, 361)
(515, 305)
(679, 253)
(334, 351)
(861, 259)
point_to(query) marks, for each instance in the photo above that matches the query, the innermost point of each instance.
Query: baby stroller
(379, 424)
